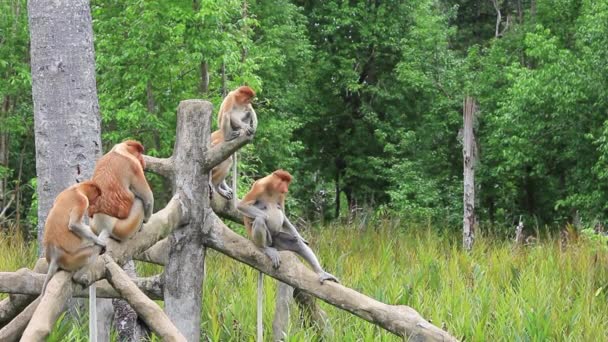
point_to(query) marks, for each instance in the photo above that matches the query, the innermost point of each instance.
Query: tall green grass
(542, 292)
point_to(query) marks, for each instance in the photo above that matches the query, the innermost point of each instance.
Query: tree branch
(225, 209)
(401, 320)
(222, 151)
(151, 313)
(161, 166)
(157, 254)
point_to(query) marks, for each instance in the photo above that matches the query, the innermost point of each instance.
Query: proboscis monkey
(127, 199)
(68, 242)
(269, 228)
(126, 202)
(235, 117)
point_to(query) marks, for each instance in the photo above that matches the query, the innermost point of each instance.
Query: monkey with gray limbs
(268, 227)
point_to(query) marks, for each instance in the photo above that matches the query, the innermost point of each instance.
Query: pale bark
(149, 311)
(66, 111)
(184, 271)
(27, 282)
(469, 156)
(401, 320)
(15, 303)
(161, 166)
(58, 291)
(13, 331)
(126, 322)
(280, 322)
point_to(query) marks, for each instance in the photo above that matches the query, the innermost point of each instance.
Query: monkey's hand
(323, 276)
(250, 130)
(273, 254)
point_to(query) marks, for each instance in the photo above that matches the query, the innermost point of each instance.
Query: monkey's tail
(260, 327)
(53, 266)
(234, 180)
(93, 313)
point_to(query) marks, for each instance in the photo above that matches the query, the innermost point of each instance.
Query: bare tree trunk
(204, 83)
(6, 105)
(184, 272)
(126, 322)
(66, 111)
(469, 154)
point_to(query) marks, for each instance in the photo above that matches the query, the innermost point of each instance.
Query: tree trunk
(184, 272)
(469, 154)
(126, 322)
(66, 111)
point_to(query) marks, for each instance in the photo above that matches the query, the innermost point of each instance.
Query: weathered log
(160, 224)
(58, 291)
(160, 166)
(158, 227)
(13, 331)
(401, 320)
(157, 254)
(149, 311)
(10, 307)
(28, 282)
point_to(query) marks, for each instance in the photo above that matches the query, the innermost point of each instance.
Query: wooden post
(469, 152)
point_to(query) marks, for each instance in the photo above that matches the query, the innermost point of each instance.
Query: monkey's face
(281, 186)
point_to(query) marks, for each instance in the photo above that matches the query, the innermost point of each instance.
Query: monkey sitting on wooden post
(263, 208)
(235, 117)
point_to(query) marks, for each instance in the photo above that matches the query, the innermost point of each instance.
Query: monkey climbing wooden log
(146, 309)
(400, 320)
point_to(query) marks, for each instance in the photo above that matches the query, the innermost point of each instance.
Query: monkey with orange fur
(68, 242)
(127, 201)
(235, 117)
(268, 226)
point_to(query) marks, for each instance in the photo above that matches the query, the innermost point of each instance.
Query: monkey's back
(116, 200)
(56, 230)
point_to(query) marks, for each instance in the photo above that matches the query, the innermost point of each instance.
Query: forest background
(360, 100)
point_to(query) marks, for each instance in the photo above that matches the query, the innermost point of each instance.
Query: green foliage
(361, 101)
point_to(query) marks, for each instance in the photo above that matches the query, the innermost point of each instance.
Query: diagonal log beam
(58, 291)
(15, 303)
(159, 226)
(221, 152)
(149, 311)
(401, 320)
(13, 331)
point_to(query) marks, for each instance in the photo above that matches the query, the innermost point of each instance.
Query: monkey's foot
(233, 135)
(273, 254)
(323, 276)
(227, 194)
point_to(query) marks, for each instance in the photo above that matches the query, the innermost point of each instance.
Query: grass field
(541, 292)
